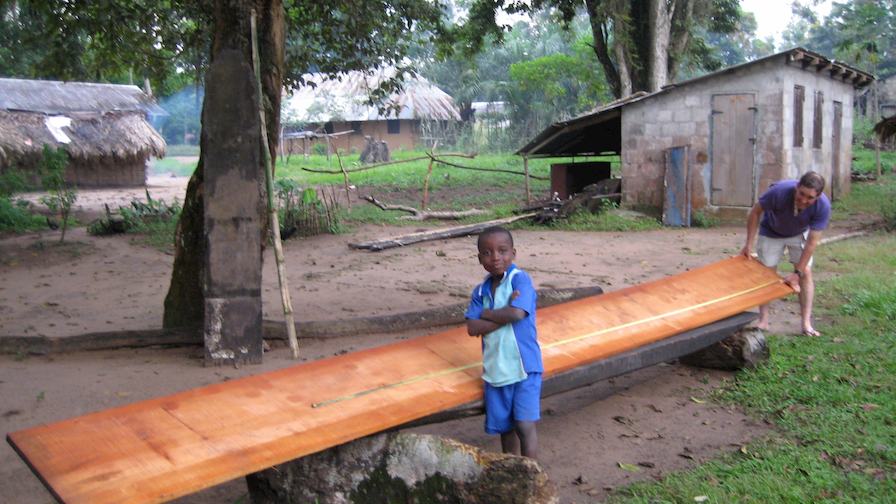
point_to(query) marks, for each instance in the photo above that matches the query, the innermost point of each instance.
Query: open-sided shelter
(103, 127)
(714, 143)
(419, 114)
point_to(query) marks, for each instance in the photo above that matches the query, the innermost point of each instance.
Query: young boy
(502, 311)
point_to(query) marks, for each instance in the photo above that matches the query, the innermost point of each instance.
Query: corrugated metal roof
(62, 98)
(344, 99)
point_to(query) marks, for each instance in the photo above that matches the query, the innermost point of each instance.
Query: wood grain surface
(160, 449)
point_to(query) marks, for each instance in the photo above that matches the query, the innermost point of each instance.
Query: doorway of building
(835, 150)
(733, 140)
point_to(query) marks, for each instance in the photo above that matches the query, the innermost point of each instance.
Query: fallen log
(419, 215)
(436, 234)
(271, 329)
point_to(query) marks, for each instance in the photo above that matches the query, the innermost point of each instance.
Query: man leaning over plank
(793, 215)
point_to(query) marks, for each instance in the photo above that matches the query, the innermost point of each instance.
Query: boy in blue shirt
(793, 214)
(502, 312)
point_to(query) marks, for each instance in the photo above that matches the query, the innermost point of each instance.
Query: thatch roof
(345, 99)
(63, 98)
(92, 121)
(121, 136)
(886, 128)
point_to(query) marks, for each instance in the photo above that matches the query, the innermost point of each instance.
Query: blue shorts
(517, 402)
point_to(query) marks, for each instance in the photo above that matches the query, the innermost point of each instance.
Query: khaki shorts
(770, 249)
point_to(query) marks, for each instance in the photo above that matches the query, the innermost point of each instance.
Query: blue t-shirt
(524, 330)
(778, 220)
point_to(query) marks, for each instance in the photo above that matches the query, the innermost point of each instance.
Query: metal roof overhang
(587, 135)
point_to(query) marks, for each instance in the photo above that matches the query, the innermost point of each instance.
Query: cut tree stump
(746, 348)
(398, 467)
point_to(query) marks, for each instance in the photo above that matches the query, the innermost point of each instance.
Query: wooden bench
(160, 449)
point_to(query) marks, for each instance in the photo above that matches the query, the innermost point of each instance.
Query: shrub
(61, 196)
(302, 212)
(14, 216)
(702, 219)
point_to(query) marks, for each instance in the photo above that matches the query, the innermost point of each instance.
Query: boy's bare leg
(510, 443)
(528, 439)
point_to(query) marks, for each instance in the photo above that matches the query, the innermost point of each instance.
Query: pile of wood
(593, 198)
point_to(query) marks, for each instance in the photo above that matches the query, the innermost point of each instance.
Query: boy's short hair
(813, 180)
(493, 230)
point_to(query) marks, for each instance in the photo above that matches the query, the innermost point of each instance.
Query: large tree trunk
(185, 301)
(660, 16)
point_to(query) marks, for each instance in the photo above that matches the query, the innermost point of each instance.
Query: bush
(702, 219)
(61, 196)
(140, 217)
(15, 217)
(11, 182)
(302, 212)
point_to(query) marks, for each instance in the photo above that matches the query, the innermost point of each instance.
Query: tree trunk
(602, 48)
(185, 301)
(660, 18)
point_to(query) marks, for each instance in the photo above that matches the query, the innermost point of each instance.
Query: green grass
(868, 198)
(171, 165)
(864, 160)
(15, 218)
(450, 188)
(158, 235)
(832, 398)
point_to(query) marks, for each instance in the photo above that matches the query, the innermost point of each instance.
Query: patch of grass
(611, 219)
(157, 234)
(170, 165)
(182, 150)
(874, 198)
(450, 188)
(702, 219)
(864, 160)
(15, 217)
(833, 399)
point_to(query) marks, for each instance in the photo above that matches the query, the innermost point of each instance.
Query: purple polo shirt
(778, 220)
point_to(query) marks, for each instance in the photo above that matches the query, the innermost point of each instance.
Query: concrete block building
(736, 131)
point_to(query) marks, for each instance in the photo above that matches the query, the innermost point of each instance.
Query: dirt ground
(657, 420)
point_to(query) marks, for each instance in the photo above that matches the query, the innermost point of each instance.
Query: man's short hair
(813, 180)
(493, 230)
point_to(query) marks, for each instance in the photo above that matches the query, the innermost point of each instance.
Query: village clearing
(639, 426)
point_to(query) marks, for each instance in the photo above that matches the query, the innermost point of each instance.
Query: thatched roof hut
(886, 128)
(339, 104)
(103, 128)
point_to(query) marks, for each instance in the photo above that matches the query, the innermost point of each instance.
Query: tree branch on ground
(419, 215)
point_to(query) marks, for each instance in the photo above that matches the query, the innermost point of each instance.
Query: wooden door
(733, 139)
(677, 189)
(835, 150)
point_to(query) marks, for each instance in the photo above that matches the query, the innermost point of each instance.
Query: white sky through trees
(773, 16)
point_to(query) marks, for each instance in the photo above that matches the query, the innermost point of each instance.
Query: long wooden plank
(160, 449)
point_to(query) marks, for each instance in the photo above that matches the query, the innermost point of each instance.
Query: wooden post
(526, 169)
(348, 195)
(425, 201)
(272, 210)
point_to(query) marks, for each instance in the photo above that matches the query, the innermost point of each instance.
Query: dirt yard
(654, 421)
